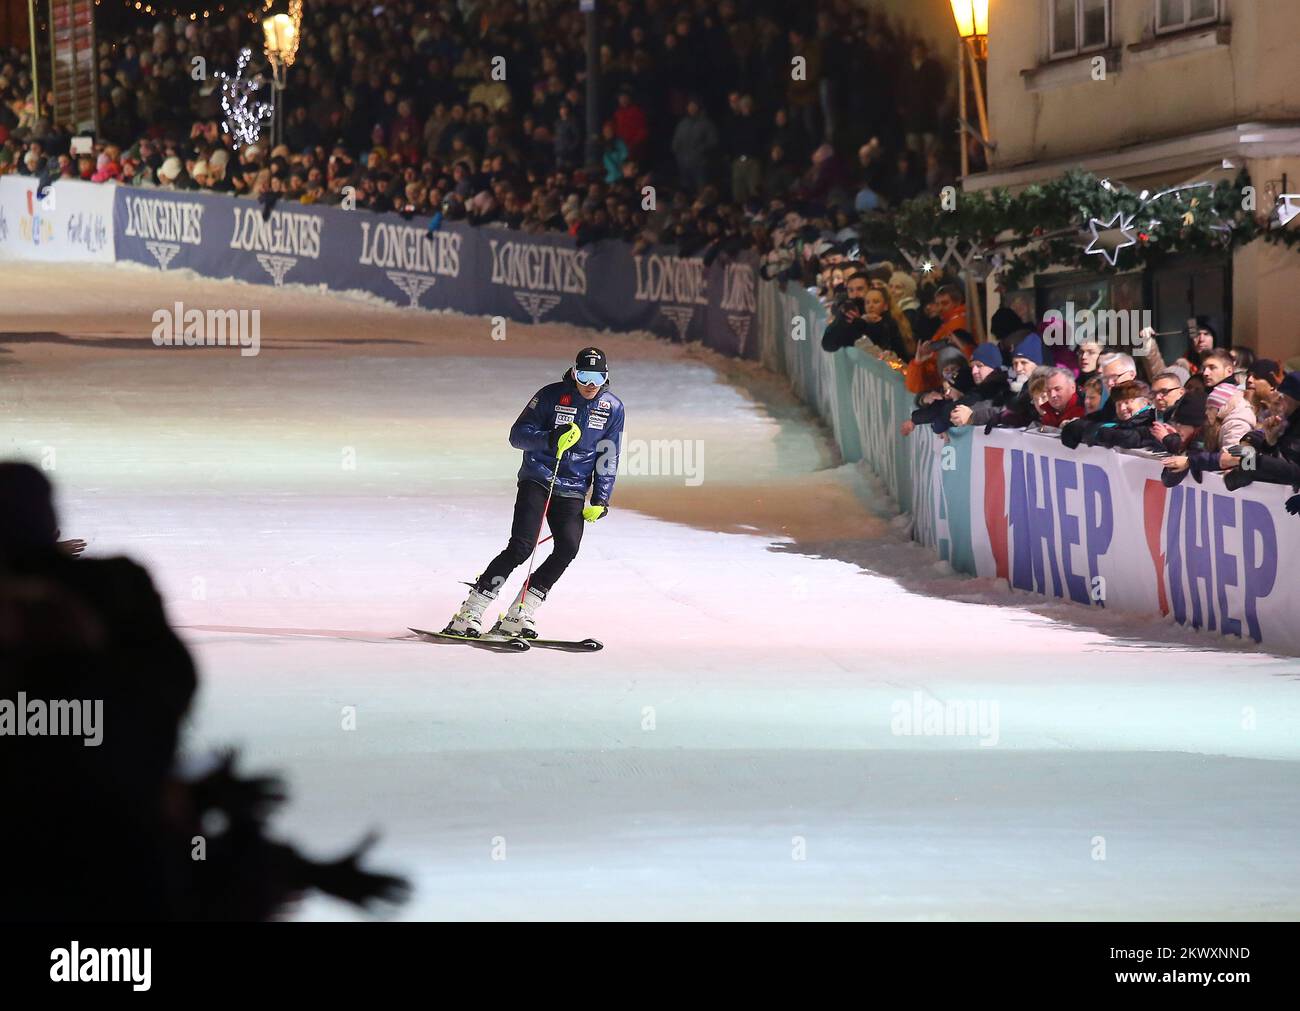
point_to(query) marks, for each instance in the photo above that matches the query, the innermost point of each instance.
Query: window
(1175, 15)
(1078, 26)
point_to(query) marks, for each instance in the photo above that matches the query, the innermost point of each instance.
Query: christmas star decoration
(1110, 237)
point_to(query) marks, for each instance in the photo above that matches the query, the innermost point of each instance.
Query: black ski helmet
(591, 360)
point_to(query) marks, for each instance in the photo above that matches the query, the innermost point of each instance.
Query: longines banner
(69, 221)
(480, 271)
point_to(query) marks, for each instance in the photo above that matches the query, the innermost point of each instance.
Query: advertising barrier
(1094, 526)
(69, 222)
(485, 271)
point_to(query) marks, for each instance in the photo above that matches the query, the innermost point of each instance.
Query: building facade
(1157, 93)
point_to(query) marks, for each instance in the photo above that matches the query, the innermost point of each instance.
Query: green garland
(1046, 225)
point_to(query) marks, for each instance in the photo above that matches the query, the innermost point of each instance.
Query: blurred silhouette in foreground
(99, 824)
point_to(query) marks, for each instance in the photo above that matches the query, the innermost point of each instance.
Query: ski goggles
(589, 378)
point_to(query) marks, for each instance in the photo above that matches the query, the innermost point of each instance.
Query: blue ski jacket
(592, 462)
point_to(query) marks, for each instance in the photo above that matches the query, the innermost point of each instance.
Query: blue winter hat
(1031, 347)
(988, 354)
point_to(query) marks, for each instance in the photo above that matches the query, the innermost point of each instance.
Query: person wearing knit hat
(1220, 396)
(1026, 356)
(1135, 418)
(1004, 323)
(1229, 419)
(1030, 348)
(1181, 433)
(988, 355)
(169, 172)
(991, 394)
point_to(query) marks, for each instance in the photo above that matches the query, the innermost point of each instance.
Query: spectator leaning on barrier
(1229, 422)
(1134, 418)
(1026, 362)
(1184, 431)
(1168, 389)
(936, 406)
(992, 393)
(1063, 402)
(848, 310)
(1116, 368)
(1278, 461)
(902, 292)
(922, 375)
(1094, 394)
(886, 326)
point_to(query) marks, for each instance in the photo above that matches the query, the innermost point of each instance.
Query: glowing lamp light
(280, 35)
(972, 17)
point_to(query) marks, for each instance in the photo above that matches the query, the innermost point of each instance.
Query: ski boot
(517, 623)
(468, 621)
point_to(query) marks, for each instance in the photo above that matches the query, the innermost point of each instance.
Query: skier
(569, 433)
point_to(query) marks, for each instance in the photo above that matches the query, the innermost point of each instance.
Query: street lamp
(280, 44)
(972, 17)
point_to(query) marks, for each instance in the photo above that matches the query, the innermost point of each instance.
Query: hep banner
(484, 271)
(70, 221)
(1098, 527)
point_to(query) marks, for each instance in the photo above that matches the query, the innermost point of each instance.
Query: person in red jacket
(1062, 399)
(630, 124)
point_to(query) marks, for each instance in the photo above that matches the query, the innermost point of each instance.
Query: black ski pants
(565, 520)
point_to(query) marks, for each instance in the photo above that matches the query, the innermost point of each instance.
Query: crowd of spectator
(1213, 409)
(475, 111)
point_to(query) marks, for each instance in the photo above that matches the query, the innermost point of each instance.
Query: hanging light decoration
(242, 114)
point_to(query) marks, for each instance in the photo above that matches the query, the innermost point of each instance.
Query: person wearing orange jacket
(922, 373)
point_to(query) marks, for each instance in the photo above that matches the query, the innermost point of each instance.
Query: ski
(492, 644)
(567, 645)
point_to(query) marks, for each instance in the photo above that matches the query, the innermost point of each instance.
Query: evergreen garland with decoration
(1046, 225)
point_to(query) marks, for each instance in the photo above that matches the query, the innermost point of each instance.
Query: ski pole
(545, 509)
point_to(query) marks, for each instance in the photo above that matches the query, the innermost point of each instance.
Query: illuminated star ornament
(242, 113)
(1109, 238)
